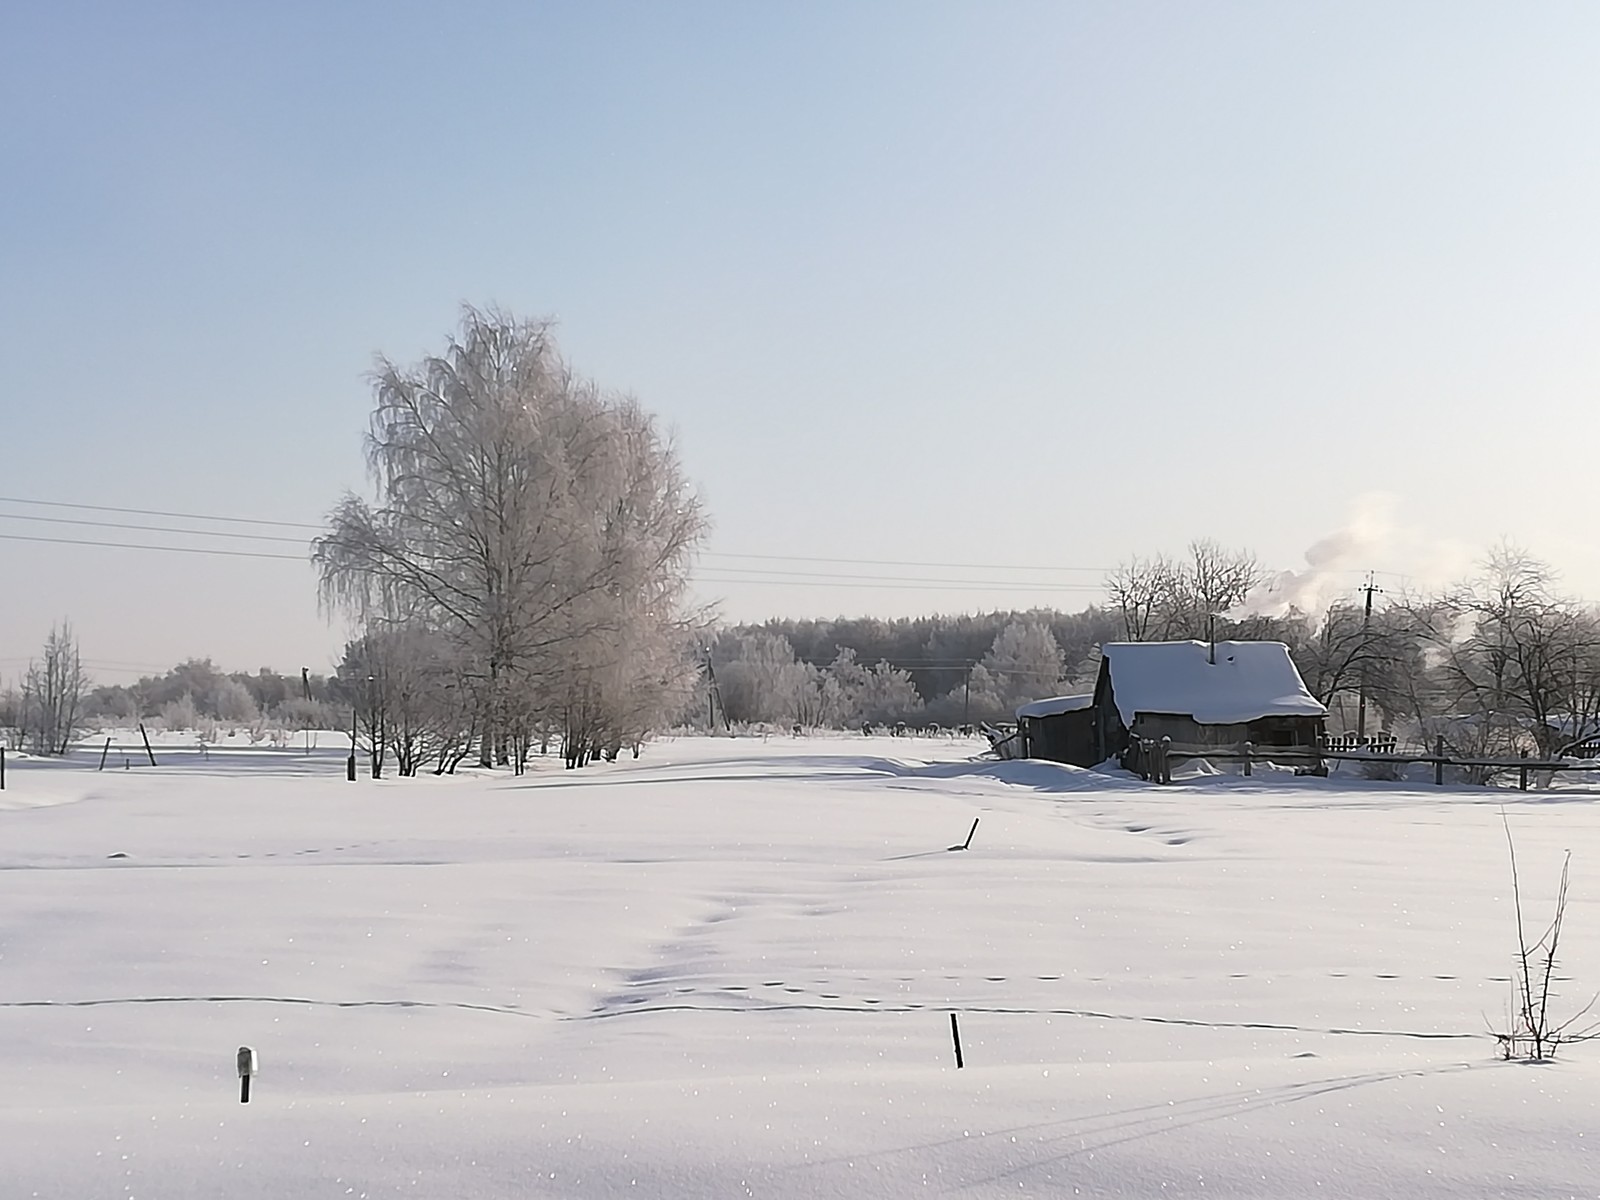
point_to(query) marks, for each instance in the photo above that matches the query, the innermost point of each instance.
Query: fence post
(105, 750)
(1522, 780)
(147, 749)
(1438, 761)
(1249, 751)
(2, 768)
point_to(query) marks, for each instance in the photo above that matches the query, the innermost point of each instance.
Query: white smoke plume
(1324, 578)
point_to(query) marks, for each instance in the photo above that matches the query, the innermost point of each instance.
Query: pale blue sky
(1035, 284)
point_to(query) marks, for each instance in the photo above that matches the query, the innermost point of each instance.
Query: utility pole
(305, 686)
(375, 730)
(1366, 628)
(350, 763)
(714, 697)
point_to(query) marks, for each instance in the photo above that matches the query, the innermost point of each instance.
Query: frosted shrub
(180, 713)
(232, 702)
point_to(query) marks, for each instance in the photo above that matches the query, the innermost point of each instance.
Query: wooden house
(1204, 694)
(1196, 693)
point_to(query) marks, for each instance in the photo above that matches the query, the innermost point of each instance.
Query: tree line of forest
(1498, 662)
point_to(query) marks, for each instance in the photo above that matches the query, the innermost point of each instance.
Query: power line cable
(214, 533)
(812, 581)
(797, 578)
(182, 516)
(719, 554)
(845, 582)
(151, 512)
(727, 574)
(22, 537)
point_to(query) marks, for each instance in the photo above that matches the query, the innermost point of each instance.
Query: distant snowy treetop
(1055, 705)
(1249, 680)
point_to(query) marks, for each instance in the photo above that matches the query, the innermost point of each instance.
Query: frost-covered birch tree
(52, 694)
(521, 512)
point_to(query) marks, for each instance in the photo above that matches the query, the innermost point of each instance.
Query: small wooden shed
(1061, 729)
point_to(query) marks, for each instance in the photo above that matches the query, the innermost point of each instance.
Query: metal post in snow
(955, 1036)
(247, 1069)
(151, 753)
(104, 750)
(968, 843)
(1438, 761)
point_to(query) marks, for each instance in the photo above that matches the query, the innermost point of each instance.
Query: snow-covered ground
(727, 969)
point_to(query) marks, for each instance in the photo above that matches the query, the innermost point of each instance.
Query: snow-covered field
(727, 969)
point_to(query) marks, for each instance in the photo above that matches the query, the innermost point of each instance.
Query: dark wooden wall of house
(1063, 737)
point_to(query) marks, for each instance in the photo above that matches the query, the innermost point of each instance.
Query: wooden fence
(1151, 759)
(1383, 743)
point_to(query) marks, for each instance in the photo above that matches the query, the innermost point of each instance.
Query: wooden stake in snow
(247, 1070)
(968, 842)
(955, 1036)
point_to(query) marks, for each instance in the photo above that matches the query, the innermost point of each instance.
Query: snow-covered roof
(1055, 706)
(1249, 680)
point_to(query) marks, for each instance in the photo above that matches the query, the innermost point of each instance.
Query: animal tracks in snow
(1172, 837)
(966, 993)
